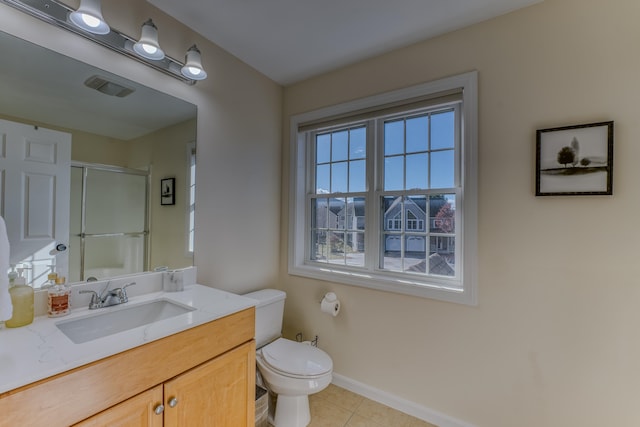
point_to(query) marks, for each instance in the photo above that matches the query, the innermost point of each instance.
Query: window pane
(416, 213)
(442, 214)
(336, 247)
(355, 249)
(442, 166)
(339, 145)
(339, 177)
(415, 253)
(442, 258)
(416, 233)
(392, 259)
(323, 148)
(358, 143)
(355, 213)
(417, 171)
(394, 173)
(357, 176)
(319, 245)
(319, 213)
(394, 137)
(418, 134)
(323, 177)
(392, 216)
(442, 130)
(337, 213)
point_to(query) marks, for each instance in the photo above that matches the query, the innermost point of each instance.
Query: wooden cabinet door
(138, 411)
(218, 393)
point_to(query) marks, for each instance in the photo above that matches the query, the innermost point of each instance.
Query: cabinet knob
(173, 402)
(159, 409)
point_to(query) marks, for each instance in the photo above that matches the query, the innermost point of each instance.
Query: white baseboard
(395, 402)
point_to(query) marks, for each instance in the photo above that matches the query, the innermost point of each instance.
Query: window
(384, 194)
(191, 194)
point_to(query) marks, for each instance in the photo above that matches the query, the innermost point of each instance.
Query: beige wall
(165, 151)
(239, 115)
(554, 338)
(87, 147)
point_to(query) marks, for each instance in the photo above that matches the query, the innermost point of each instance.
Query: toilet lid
(296, 358)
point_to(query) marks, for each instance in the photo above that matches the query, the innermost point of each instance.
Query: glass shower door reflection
(113, 236)
(108, 256)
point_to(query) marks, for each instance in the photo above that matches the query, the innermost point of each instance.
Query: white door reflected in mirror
(35, 167)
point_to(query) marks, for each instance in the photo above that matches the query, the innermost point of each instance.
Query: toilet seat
(294, 359)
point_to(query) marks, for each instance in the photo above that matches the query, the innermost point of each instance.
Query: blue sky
(420, 146)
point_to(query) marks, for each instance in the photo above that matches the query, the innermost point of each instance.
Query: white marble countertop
(40, 350)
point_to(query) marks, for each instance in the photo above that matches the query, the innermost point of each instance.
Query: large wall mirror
(83, 153)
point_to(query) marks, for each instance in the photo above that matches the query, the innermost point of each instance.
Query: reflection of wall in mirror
(165, 151)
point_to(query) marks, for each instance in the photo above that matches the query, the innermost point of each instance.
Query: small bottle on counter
(59, 299)
(22, 301)
(51, 281)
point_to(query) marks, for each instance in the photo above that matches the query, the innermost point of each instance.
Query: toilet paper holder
(330, 304)
(329, 296)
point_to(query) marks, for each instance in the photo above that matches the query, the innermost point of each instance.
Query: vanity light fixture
(148, 46)
(193, 65)
(57, 13)
(89, 17)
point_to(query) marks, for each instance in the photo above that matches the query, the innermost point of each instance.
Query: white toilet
(290, 369)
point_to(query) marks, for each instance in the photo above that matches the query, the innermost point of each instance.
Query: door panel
(218, 393)
(35, 169)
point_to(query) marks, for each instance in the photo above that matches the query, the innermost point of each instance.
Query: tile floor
(337, 407)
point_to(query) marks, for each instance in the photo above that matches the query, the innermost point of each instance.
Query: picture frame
(575, 160)
(167, 191)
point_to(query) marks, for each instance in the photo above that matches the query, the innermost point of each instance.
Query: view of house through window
(385, 191)
(417, 200)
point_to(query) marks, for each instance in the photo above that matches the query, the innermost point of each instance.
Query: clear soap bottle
(59, 299)
(22, 301)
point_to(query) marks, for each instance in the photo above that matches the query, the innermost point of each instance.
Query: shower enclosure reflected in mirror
(124, 138)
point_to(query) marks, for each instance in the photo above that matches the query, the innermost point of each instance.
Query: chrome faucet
(108, 297)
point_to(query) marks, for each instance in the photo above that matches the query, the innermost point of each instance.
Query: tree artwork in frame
(575, 160)
(167, 191)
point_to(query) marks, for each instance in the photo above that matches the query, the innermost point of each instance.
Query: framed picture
(167, 191)
(575, 160)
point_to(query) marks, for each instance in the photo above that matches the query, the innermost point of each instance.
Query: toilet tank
(269, 312)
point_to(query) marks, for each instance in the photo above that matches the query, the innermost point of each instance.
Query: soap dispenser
(21, 299)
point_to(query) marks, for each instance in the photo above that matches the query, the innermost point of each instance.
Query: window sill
(386, 282)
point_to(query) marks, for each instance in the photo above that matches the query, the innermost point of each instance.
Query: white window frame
(466, 215)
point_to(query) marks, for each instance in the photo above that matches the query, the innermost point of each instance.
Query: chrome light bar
(57, 14)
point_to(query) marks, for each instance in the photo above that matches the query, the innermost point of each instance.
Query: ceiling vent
(101, 84)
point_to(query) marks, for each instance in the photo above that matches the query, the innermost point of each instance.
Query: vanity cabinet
(136, 411)
(212, 394)
(209, 370)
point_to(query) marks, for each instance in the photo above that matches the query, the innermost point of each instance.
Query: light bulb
(193, 65)
(91, 21)
(89, 17)
(148, 47)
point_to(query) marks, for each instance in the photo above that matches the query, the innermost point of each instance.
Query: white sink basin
(101, 324)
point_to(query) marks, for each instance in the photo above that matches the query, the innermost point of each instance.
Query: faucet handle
(124, 296)
(95, 299)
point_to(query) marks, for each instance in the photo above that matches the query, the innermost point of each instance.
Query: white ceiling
(291, 40)
(47, 87)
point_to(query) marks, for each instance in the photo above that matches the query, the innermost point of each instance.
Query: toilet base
(292, 411)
